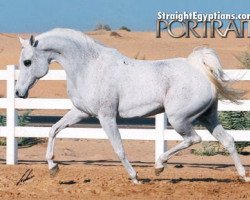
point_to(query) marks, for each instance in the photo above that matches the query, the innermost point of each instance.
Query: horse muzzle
(22, 95)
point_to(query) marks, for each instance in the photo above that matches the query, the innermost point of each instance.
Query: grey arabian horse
(105, 84)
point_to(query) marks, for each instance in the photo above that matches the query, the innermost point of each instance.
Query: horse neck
(71, 55)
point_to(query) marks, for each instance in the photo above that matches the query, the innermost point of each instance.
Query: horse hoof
(54, 171)
(245, 179)
(158, 171)
(136, 182)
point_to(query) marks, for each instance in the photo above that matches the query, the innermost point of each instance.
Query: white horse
(103, 83)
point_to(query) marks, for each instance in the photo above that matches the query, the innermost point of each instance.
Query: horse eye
(27, 63)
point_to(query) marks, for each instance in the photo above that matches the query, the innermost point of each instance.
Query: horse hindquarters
(181, 118)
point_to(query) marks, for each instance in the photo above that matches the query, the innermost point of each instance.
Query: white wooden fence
(11, 131)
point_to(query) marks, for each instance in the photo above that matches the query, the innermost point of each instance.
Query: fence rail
(159, 134)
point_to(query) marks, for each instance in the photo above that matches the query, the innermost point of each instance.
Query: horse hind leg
(211, 122)
(190, 137)
(228, 142)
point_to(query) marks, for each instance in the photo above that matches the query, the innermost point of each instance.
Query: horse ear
(22, 41)
(35, 43)
(32, 40)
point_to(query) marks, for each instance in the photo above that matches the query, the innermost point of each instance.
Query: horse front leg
(109, 125)
(72, 117)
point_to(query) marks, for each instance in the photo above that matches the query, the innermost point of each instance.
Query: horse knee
(228, 143)
(196, 139)
(226, 140)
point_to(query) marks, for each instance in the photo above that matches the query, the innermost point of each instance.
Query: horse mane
(73, 35)
(67, 34)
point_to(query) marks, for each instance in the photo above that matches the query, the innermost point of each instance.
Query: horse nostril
(17, 93)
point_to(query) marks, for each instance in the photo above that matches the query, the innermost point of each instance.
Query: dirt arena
(90, 170)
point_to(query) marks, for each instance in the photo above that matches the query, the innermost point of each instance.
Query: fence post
(160, 126)
(11, 144)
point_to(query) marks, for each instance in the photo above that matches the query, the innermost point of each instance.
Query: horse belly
(141, 100)
(139, 110)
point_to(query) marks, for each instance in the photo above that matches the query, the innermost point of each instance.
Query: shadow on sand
(179, 180)
(134, 163)
(110, 163)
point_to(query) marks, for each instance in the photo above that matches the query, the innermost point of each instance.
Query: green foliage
(2, 123)
(2, 142)
(208, 149)
(2, 120)
(125, 28)
(27, 142)
(236, 121)
(244, 58)
(22, 121)
(24, 118)
(102, 27)
(232, 121)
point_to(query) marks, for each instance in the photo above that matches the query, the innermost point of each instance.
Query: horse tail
(207, 61)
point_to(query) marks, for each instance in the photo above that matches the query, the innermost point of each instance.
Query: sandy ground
(92, 167)
(93, 171)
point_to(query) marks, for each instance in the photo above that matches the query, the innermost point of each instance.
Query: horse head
(33, 65)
